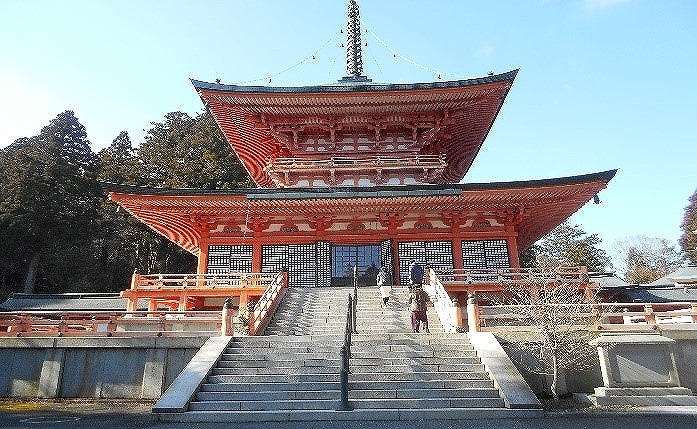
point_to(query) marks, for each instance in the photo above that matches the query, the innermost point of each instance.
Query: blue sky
(603, 84)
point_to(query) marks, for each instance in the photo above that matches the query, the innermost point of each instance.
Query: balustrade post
(135, 279)
(227, 327)
(472, 314)
(456, 315)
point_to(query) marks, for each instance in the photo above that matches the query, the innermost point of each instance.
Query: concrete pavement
(76, 414)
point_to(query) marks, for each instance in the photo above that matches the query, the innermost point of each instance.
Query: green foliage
(688, 239)
(56, 225)
(185, 152)
(569, 245)
(645, 259)
(49, 197)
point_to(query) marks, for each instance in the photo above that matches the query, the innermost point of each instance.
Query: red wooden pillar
(458, 262)
(202, 266)
(512, 244)
(395, 261)
(256, 256)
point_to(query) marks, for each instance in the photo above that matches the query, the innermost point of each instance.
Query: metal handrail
(345, 353)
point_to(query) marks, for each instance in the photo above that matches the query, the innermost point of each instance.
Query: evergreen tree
(49, 197)
(119, 163)
(688, 239)
(569, 245)
(185, 152)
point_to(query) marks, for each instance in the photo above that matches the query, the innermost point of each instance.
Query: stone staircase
(395, 369)
(292, 372)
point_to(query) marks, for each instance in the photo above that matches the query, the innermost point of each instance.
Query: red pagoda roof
(185, 215)
(268, 126)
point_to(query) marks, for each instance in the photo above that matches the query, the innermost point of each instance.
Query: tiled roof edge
(348, 192)
(357, 87)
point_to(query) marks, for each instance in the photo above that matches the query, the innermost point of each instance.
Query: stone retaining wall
(134, 368)
(585, 380)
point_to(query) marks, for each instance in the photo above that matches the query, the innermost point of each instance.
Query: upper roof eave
(363, 192)
(356, 87)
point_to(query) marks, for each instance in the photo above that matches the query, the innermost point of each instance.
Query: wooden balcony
(622, 317)
(109, 324)
(184, 292)
(500, 279)
(336, 170)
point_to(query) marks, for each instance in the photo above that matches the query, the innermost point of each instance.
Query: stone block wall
(131, 368)
(585, 380)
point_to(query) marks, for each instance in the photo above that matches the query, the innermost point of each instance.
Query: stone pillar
(51, 376)
(153, 374)
(228, 325)
(472, 314)
(456, 316)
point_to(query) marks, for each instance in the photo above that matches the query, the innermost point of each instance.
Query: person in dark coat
(416, 273)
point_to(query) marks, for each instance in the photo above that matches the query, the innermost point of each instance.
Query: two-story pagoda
(360, 174)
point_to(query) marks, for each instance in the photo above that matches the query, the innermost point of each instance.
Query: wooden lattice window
(437, 254)
(480, 254)
(300, 259)
(224, 259)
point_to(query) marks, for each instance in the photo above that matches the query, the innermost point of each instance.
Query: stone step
(265, 386)
(270, 395)
(316, 404)
(441, 336)
(273, 378)
(289, 338)
(425, 403)
(481, 383)
(359, 415)
(418, 376)
(276, 370)
(416, 368)
(281, 355)
(358, 353)
(415, 346)
(391, 360)
(258, 363)
(286, 349)
(415, 393)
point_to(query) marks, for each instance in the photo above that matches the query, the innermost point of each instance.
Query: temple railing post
(473, 314)
(227, 327)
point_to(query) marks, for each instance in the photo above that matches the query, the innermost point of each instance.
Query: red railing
(515, 275)
(267, 304)
(598, 316)
(202, 281)
(338, 162)
(110, 324)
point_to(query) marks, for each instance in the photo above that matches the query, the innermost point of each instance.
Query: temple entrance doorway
(366, 257)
